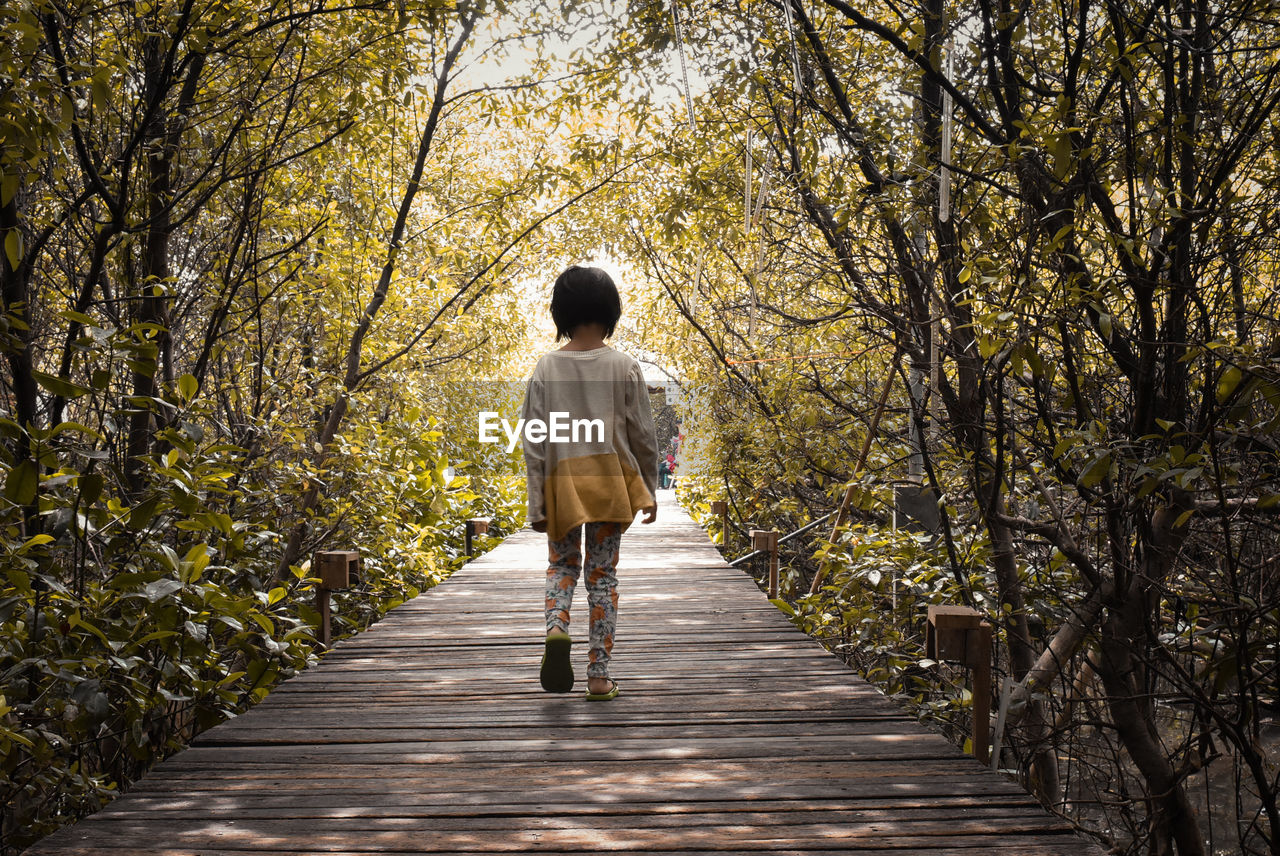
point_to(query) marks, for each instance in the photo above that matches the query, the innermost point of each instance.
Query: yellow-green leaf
(9, 184)
(1228, 382)
(188, 386)
(21, 483)
(59, 385)
(13, 247)
(35, 541)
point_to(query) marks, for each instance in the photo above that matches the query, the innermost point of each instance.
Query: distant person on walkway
(591, 478)
(664, 474)
(671, 469)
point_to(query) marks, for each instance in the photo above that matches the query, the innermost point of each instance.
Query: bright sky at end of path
(490, 69)
(536, 296)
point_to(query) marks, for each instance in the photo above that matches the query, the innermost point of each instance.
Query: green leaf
(76, 621)
(13, 247)
(62, 427)
(1104, 326)
(9, 184)
(78, 317)
(90, 488)
(1228, 382)
(21, 483)
(188, 386)
(1097, 470)
(1062, 160)
(156, 634)
(194, 563)
(140, 515)
(230, 679)
(59, 385)
(35, 541)
(159, 589)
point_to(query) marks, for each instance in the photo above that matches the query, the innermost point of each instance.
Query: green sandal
(557, 670)
(611, 694)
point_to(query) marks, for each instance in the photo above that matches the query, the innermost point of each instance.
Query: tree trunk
(1170, 809)
(152, 309)
(15, 287)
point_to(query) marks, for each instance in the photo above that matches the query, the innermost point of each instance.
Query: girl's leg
(563, 567)
(602, 590)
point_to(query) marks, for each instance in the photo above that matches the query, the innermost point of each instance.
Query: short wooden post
(338, 570)
(1002, 715)
(767, 539)
(979, 662)
(322, 605)
(475, 526)
(958, 633)
(721, 508)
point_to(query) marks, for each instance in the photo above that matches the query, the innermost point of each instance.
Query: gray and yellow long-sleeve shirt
(598, 459)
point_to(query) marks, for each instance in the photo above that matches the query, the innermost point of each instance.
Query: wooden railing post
(475, 526)
(337, 570)
(721, 508)
(767, 539)
(960, 634)
(978, 659)
(322, 604)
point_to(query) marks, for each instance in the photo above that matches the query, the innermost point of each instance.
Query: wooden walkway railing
(429, 733)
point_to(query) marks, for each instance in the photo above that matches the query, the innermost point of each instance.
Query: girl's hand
(650, 514)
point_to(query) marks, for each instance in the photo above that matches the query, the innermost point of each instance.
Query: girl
(592, 476)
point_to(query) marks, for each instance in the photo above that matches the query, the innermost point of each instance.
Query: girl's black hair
(582, 295)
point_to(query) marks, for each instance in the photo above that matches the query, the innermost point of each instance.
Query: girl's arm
(642, 436)
(535, 455)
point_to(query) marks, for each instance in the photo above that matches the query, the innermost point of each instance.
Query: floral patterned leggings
(565, 557)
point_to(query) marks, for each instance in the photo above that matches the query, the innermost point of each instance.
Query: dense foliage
(247, 253)
(1049, 228)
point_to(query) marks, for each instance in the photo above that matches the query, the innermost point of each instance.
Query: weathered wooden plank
(903, 748)
(305, 710)
(671, 814)
(414, 728)
(288, 793)
(1012, 845)
(584, 838)
(652, 829)
(938, 777)
(429, 733)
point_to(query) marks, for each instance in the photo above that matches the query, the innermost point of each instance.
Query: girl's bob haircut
(583, 295)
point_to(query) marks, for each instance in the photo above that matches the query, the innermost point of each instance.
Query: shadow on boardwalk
(429, 733)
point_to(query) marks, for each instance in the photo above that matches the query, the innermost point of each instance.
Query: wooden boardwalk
(429, 733)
